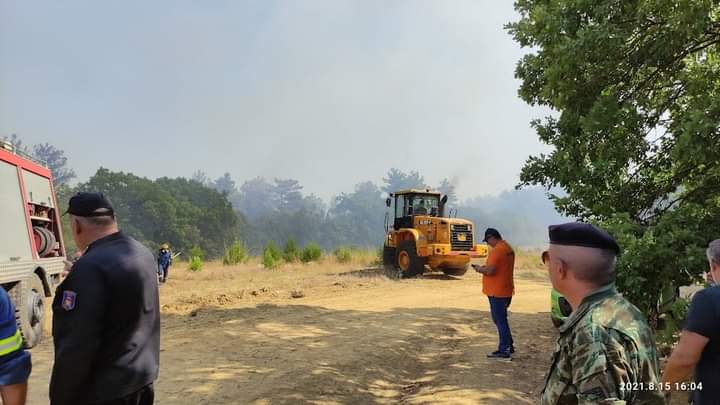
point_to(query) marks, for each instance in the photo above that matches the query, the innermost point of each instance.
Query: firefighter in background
(164, 261)
(15, 365)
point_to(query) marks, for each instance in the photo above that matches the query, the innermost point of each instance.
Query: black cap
(90, 205)
(582, 234)
(491, 232)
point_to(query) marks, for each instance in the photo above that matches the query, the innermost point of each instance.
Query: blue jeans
(163, 271)
(498, 310)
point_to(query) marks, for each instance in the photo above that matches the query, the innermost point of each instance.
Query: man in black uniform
(106, 317)
(699, 347)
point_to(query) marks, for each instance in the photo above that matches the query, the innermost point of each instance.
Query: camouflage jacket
(605, 355)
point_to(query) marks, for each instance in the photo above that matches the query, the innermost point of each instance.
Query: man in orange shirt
(499, 287)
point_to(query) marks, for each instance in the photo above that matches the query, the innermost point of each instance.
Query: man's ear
(76, 224)
(563, 270)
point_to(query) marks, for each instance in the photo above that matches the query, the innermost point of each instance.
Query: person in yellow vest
(15, 364)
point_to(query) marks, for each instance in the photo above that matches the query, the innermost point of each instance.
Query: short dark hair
(492, 233)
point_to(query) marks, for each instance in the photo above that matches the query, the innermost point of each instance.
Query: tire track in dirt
(446, 349)
(365, 341)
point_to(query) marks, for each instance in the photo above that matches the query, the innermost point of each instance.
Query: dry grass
(365, 257)
(528, 259)
(250, 283)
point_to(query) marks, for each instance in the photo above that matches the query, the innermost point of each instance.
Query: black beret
(90, 205)
(582, 234)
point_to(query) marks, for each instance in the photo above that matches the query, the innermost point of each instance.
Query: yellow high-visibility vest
(11, 344)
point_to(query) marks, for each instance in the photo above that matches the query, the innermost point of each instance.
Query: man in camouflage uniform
(606, 351)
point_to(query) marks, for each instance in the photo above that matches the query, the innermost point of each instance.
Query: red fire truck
(32, 251)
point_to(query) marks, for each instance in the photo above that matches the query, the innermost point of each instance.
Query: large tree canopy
(636, 88)
(179, 211)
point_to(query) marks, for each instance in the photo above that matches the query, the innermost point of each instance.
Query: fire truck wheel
(407, 260)
(29, 297)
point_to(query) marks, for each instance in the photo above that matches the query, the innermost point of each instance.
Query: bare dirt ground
(236, 336)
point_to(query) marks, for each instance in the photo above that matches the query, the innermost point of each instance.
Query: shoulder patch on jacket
(69, 299)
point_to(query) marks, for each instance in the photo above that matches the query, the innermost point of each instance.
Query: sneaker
(512, 349)
(498, 355)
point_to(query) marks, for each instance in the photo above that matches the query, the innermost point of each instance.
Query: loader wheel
(389, 268)
(29, 299)
(455, 271)
(407, 260)
(388, 256)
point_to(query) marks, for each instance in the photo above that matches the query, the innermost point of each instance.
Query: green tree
(288, 195)
(271, 256)
(17, 143)
(63, 194)
(311, 253)
(291, 252)
(357, 217)
(56, 161)
(448, 188)
(202, 178)
(636, 87)
(195, 264)
(53, 157)
(197, 251)
(235, 254)
(225, 184)
(256, 198)
(181, 212)
(397, 180)
(343, 254)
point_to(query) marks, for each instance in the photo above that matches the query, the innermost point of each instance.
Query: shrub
(673, 314)
(197, 251)
(271, 256)
(235, 254)
(291, 252)
(343, 254)
(379, 258)
(311, 253)
(196, 264)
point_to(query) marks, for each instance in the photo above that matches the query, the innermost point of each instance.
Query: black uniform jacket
(106, 324)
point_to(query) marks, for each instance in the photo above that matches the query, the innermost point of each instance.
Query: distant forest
(213, 213)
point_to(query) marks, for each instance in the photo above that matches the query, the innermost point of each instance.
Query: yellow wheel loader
(419, 234)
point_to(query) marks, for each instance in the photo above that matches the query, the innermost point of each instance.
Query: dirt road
(236, 336)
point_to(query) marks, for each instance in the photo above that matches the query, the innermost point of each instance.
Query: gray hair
(600, 270)
(595, 266)
(99, 222)
(713, 252)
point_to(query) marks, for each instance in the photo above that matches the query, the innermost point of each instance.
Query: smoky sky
(331, 93)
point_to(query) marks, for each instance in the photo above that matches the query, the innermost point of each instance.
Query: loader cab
(411, 203)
